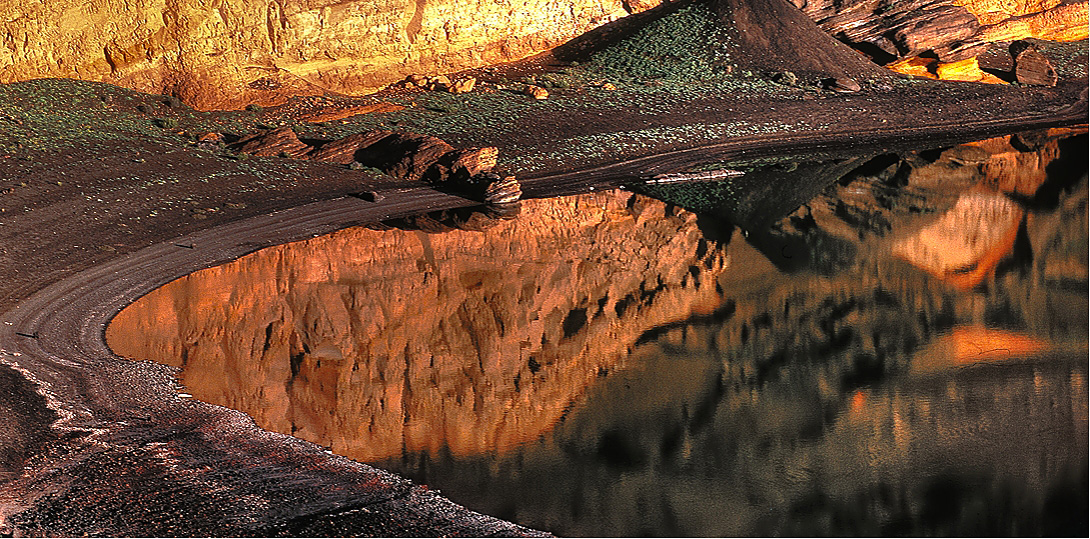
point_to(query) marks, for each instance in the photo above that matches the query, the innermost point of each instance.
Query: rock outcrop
(378, 342)
(940, 38)
(227, 54)
(406, 156)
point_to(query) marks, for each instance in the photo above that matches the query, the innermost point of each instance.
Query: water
(895, 344)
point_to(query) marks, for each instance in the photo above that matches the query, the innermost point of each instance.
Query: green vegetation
(682, 46)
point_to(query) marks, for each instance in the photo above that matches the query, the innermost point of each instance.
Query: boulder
(1031, 67)
(280, 141)
(535, 92)
(404, 155)
(462, 86)
(343, 151)
(502, 190)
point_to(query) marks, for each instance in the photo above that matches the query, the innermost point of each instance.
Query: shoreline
(115, 434)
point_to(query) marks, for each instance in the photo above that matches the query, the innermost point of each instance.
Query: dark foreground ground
(105, 195)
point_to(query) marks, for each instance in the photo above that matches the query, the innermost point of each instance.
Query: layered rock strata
(222, 54)
(227, 54)
(941, 38)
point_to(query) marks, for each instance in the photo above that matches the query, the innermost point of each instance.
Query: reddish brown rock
(462, 86)
(504, 190)
(279, 141)
(1031, 67)
(343, 151)
(404, 155)
(905, 28)
(333, 113)
(464, 164)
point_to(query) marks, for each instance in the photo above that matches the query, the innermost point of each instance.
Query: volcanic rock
(1032, 67)
(404, 155)
(535, 92)
(473, 161)
(343, 151)
(842, 85)
(502, 191)
(280, 141)
(462, 86)
(333, 113)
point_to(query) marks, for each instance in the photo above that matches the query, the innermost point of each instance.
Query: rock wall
(228, 53)
(941, 38)
(377, 342)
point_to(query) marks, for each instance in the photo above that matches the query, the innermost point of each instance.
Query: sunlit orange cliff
(222, 54)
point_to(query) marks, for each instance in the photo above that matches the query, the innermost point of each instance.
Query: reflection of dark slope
(674, 443)
(763, 197)
(1073, 155)
(847, 330)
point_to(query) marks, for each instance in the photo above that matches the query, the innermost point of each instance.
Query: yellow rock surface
(1063, 22)
(919, 67)
(967, 70)
(1005, 20)
(216, 53)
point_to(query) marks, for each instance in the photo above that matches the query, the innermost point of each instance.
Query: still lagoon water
(885, 344)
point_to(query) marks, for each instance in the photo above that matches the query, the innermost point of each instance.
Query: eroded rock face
(223, 54)
(378, 342)
(940, 38)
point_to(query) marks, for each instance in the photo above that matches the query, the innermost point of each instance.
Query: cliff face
(375, 342)
(228, 53)
(942, 38)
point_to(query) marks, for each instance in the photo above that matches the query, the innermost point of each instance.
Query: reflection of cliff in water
(899, 347)
(378, 341)
(851, 391)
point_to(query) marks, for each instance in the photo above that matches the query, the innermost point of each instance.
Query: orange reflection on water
(377, 343)
(967, 242)
(967, 345)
